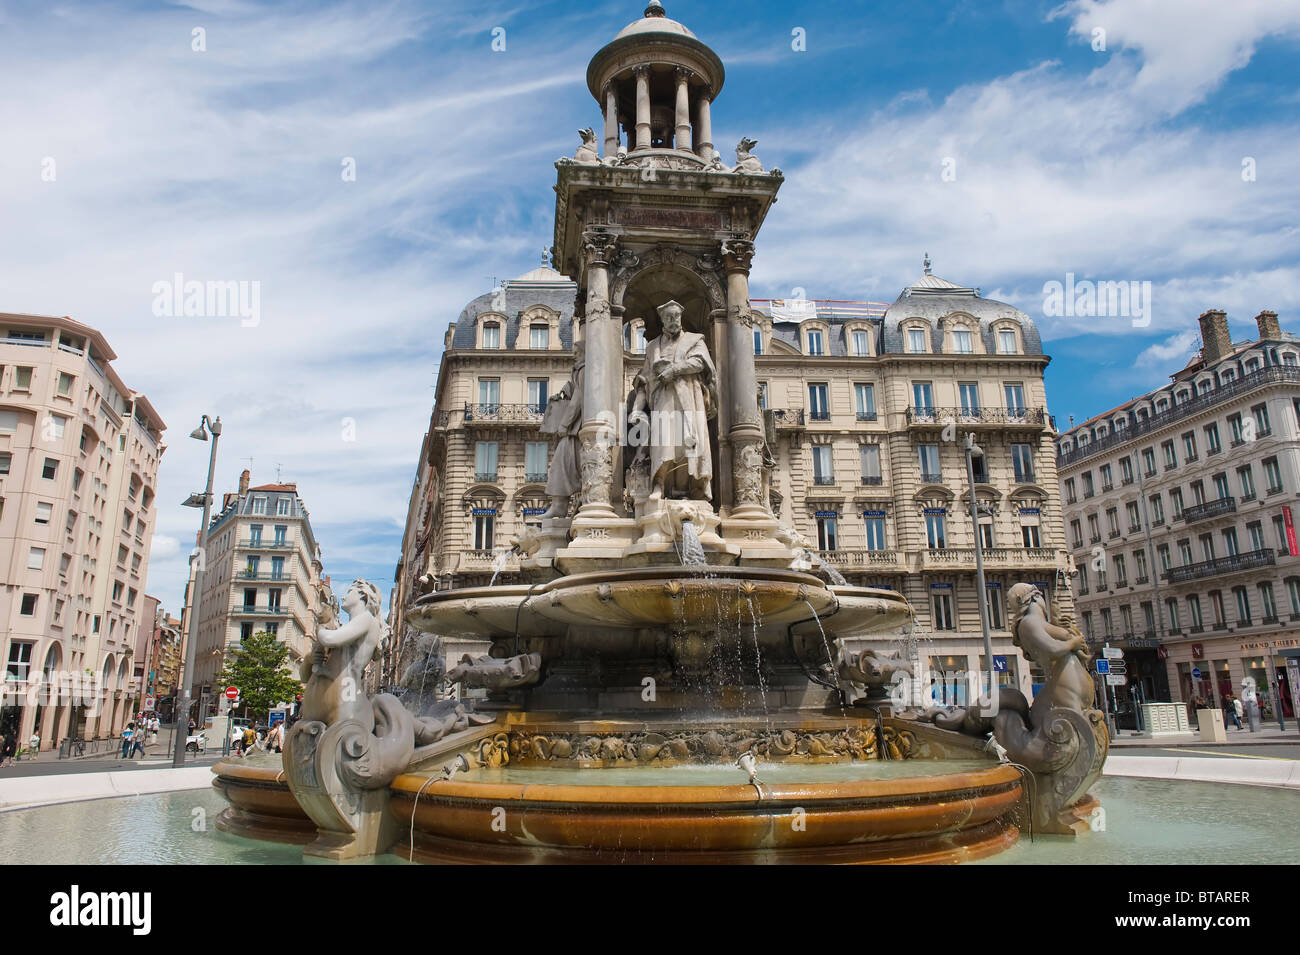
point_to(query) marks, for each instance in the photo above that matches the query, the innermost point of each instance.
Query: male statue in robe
(563, 417)
(675, 396)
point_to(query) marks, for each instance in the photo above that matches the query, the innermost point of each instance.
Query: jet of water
(692, 553)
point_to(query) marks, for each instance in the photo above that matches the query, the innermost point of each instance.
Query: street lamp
(973, 449)
(182, 712)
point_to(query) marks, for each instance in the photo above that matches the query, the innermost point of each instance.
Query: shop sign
(1290, 531)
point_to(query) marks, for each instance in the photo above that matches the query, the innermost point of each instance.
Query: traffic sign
(1112, 653)
(1116, 679)
(149, 702)
(1118, 666)
(1196, 673)
(232, 692)
(1103, 667)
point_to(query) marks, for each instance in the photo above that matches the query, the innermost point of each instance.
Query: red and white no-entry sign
(232, 692)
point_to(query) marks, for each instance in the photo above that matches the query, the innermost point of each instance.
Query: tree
(258, 669)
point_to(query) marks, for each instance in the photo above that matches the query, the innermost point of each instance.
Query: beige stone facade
(868, 404)
(263, 572)
(79, 455)
(1180, 511)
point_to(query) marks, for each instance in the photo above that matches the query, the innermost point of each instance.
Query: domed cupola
(655, 83)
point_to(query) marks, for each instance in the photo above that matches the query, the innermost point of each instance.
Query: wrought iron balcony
(788, 417)
(975, 417)
(823, 480)
(536, 477)
(931, 477)
(1201, 512)
(256, 611)
(1272, 374)
(866, 416)
(259, 543)
(503, 414)
(872, 480)
(1221, 565)
(820, 414)
(485, 477)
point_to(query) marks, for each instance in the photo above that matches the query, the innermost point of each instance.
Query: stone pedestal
(755, 537)
(596, 541)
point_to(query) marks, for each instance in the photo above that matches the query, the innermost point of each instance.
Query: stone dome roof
(654, 21)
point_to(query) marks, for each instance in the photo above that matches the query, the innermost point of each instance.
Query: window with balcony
(1247, 479)
(1207, 546)
(1028, 535)
(1230, 541)
(1273, 475)
(485, 529)
(1221, 486)
(870, 460)
(489, 395)
(923, 397)
(538, 394)
(936, 530)
(968, 395)
(255, 534)
(986, 532)
(864, 398)
(1185, 552)
(1256, 531)
(1198, 493)
(818, 404)
(281, 534)
(535, 453)
(1212, 445)
(1014, 393)
(826, 537)
(277, 568)
(273, 599)
(875, 525)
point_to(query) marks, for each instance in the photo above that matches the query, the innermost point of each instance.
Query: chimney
(1269, 329)
(1215, 340)
(243, 481)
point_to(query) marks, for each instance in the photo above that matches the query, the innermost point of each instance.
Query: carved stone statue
(563, 417)
(745, 160)
(587, 154)
(674, 398)
(496, 673)
(865, 674)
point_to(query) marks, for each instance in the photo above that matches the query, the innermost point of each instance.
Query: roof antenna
(925, 263)
(546, 258)
(278, 465)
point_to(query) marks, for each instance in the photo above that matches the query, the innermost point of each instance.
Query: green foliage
(258, 668)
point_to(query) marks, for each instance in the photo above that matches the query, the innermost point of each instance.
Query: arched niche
(662, 275)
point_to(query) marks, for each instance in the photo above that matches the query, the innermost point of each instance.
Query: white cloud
(1168, 353)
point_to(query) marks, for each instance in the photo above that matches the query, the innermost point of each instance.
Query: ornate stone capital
(705, 92)
(598, 248)
(642, 72)
(737, 254)
(683, 74)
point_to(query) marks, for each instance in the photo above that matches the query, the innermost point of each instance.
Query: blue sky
(224, 164)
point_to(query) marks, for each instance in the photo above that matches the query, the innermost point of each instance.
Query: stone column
(682, 140)
(604, 355)
(611, 122)
(745, 421)
(704, 127)
(643, 107)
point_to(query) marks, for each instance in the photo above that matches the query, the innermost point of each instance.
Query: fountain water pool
(1157, 821)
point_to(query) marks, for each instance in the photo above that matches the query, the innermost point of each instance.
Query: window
(1070, 495)
(1272, 474)
(245, 630)
(943, 616)
(1076, 533)
(22, 379)
(1088, 489)
(819, 408)
(250, 598)
(1279, 529)
(6, 460)
(1221, 485)
(259, 505)
(1140, 559)
(1094, 530)
(20, 661)
(1247, 478)
(1260, 412)
(1235, 426)
(1212, 439)
(539, 336)
(826, 533)
(961, 341)
(860, 345)
(485, 461)
(968, 392)
(1107, 481)
(923, 397)
(66, 382)
(979, 468)
(1006, 342)
(484, 529)
(535, 453)
(1243, 603)
(1293, 591)
(50, 469)
(251, 566)
(875, 522)
(43, 510)
(281, 532)
(489, 395)
(255, 534)
(282, 507)
(928, 460)
(117, 590)
(538, 394)
(1162, 555)
(993, 600)
(1157, 509)
(864, 397)
(1022, 457)
(1029, 535)
(638, 340)
(1267, 602)
(758, 341)
(870, 454)
(936, 529)
(1149, 462)
(1189, 446)
(277, 568)
(36, 558)
(1194, 613)
(1112, 521)
(28, 605)
(814, 339)
(1176, 502)
(1171, 605)
(823, 467)
(1015, 396)
(491, 335)
(916, 340)
(57, 424)
(986, 532)
(1121, 570)
(8, 422)
(1126, 470)
(273, 598)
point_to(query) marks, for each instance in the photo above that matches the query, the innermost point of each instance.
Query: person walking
(128, 737)
(8, 747)
(1234, 708)
(35, 743)
(137, 743)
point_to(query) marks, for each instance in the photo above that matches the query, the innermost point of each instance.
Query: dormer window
(916, 341)
(491, 335)
(1007, 341)
(861, 343)
(814, 338)
(1162, 404)
(539, 336)
(962, 343)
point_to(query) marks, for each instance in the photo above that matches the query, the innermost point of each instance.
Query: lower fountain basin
(867, 611)
(478, 612)
(261, 805)
(922, 811)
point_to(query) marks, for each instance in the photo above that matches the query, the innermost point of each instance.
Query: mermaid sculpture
(1061, 739)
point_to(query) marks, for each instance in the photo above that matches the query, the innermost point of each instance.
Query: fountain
(671, 683)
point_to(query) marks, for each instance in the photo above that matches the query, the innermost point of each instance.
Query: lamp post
(182, 711)
(971, 450)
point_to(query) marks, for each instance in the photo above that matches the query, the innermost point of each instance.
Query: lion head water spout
(692, 551)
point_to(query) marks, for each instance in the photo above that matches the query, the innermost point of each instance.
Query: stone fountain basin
(866, 611)
(479, 612)
(682, 598)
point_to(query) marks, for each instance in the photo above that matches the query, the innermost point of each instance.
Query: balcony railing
(931, 477)
(872, 480)
(1221, 565)
(820, 414)
(503, 414)
(485, 477)
(535, 477)
(866, 416)
(261, 611)
(993, 556)
(937, 417)
(823, 480)
(1201, 512)
(1273, 374)
(260, 543)
(246, 575)
(859, 558)
(788, 417)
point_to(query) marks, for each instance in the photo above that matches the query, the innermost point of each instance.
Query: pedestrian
(137, 743)
(128, 736)
(249, 740)
(35, 743)
(192, 726)
(8, 747)
(1235, 708)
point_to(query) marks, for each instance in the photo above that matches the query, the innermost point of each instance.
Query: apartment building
(79, 455)
(263, 572)
(157, 657)
(1179, 512)
(867, 404)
